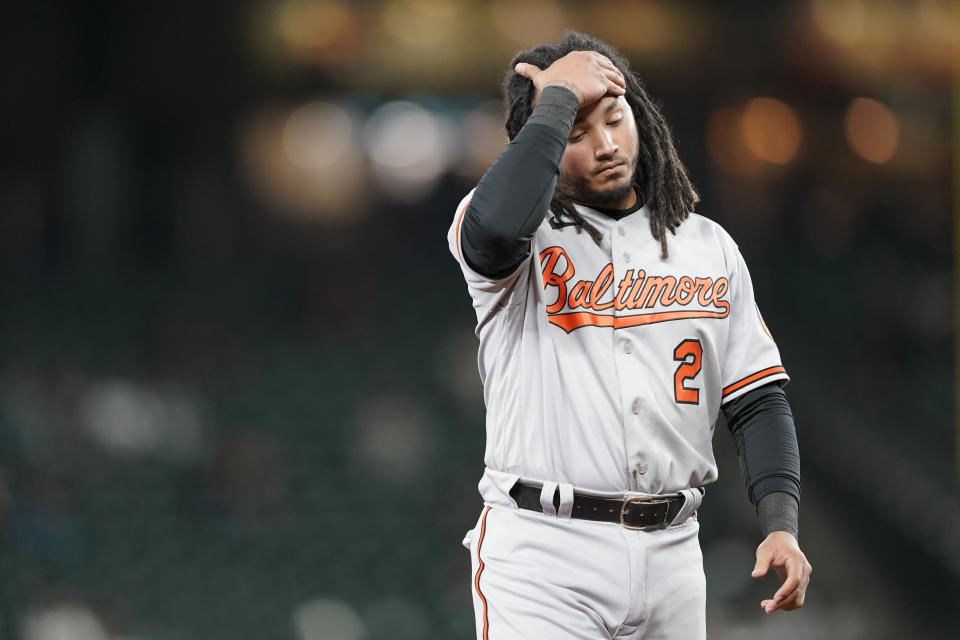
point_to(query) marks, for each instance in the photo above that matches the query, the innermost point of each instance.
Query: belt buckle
(641, 500)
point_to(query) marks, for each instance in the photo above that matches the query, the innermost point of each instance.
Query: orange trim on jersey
(476, 581)
(570, 321)
(759, 375)
(463, 210)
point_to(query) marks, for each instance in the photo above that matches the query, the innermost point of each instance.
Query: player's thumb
(527, 70)
(763, 563)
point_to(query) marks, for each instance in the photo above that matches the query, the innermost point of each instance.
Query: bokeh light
(63, 621)
(408, 148)
(842, 20)
(327, 619)
(771, 130)
(872, 130)
(392, 437)
(941, 20)
(420, 23)
(130, 420)
(294, 178)
(638, 26)
(725, 143)
(314, 29)
(317, 135)
(526, 21)
(483, 136)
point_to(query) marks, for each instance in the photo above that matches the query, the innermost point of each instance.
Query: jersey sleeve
(751, 358)
(489, 294)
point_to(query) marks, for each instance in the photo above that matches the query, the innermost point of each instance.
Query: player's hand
(590, 75)
(781, 551)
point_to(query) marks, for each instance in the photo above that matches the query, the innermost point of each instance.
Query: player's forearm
(779, 511)
(513, 197)
(765, 436)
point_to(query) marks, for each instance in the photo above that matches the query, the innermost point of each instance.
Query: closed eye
(614, 123)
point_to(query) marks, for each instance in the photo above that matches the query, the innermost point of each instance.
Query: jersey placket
(641, 254)
(626, 353)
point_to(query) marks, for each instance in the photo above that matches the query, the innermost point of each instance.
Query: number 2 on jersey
(688, 353)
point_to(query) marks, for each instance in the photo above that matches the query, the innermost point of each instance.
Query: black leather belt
(633, 513)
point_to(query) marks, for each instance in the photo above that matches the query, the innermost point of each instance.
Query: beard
(577, 189)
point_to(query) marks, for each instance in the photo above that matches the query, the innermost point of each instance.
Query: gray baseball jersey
(604, 366)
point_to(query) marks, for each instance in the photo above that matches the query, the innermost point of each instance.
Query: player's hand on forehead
(588, 74)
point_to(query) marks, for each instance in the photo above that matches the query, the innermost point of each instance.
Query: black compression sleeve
(779, 512)
(513, 197)
(765, 437)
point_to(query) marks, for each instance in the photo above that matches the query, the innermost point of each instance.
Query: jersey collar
(634, 227)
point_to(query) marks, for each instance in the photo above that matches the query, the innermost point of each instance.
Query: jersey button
(635, 407)
(628, 346)
(642, 469)
(621, 231)
(626, 257)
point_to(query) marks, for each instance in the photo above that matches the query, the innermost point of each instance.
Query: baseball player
(614, 326)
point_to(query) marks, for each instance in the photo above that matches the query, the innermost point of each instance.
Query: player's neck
(619, 212)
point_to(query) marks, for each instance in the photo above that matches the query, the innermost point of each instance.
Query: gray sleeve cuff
(557, 108)
(779, 511)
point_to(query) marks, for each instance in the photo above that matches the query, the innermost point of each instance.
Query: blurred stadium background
(238, 385)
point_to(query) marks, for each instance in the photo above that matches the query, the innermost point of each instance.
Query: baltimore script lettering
(634, 292)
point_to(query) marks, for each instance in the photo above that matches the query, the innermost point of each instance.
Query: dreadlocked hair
(661, 180)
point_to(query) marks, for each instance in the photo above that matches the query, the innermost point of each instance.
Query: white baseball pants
(543, 577)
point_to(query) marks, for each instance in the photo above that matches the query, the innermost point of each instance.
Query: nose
(605, 146)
